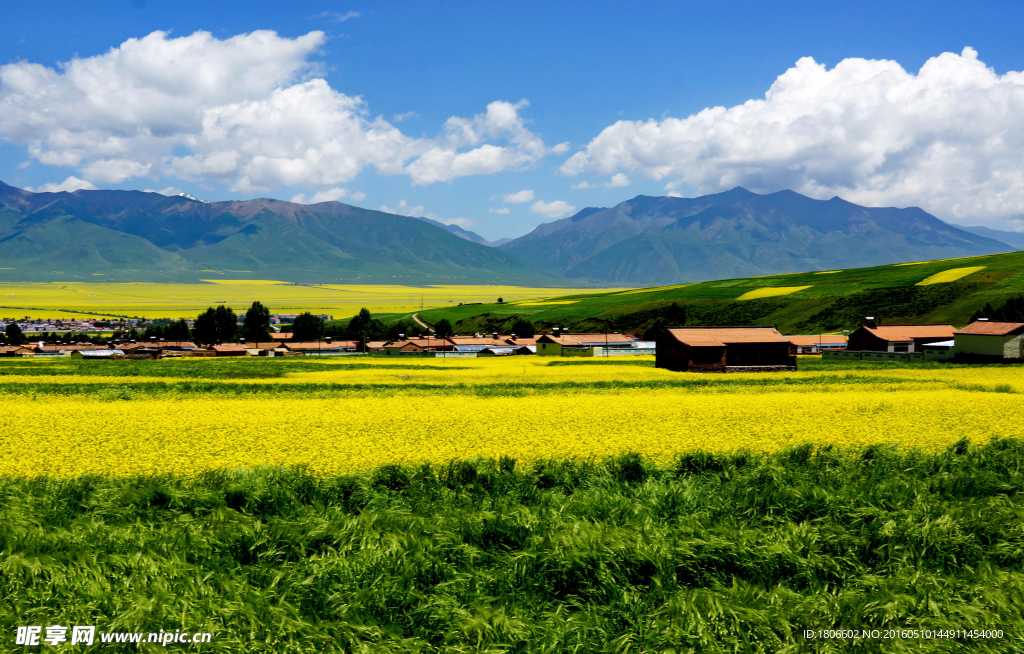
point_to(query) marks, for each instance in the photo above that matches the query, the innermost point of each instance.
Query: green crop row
(714, 553)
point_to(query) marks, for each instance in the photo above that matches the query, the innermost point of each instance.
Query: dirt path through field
(419, 322)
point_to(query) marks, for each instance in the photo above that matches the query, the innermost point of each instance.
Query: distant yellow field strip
(243, 282)
(97, 299)
(950, 275)
(771, 291)
(828, 272)
(653, 290)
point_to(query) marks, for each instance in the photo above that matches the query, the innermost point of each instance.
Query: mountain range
(645, 241)
(137, 236)
(1013, 239)
(650, 241)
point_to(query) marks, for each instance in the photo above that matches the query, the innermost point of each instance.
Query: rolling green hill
(796, 303)
(135, 236)
(669, 240)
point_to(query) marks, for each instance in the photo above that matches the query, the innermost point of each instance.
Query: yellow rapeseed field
(97, 299)
(348, 414)
(770, 291)
(950, 275)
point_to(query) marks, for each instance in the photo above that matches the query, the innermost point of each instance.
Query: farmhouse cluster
(699, 349)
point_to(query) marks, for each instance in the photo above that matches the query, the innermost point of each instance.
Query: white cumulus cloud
(168, 191)
(521, 196)
(247, 111)
(443, 162)
(556, 209)
(618, 180)
(70, 184)
(330, 195)
(949, 138)
(504, 211)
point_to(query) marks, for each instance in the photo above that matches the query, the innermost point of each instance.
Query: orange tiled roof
(483, 340)
(988, 328)
(521, 341)
(314, 345)
(421, 342)
(814, 339)
(721, 336)
(910, 332)
(580, 339)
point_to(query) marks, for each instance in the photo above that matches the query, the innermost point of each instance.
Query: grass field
(74, 299)
(946, 291)
(514, 505)
(67, 418)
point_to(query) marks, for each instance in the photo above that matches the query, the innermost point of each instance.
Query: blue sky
(456, 110)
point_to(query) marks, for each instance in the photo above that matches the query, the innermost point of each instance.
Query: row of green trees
(220, 325)
(1010, 311)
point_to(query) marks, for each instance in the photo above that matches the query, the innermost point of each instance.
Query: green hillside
(131, 236)
(831, 301)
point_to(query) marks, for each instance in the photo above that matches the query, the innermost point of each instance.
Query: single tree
(14, 334)
(357, 327)
(307, 327)
(178, 331)
(256, 327)
(523, 328)
(443, 328)
(227, 324)
(153, 331)
(204, 329)
(657, 329)
(501, 300)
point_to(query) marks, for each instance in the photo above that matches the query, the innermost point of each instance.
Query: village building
(418, 346)
(60, 349)
(228, 350)
(989, 341)
(324, 347)
(815, 343)
(872, 337)
(722, 349)
(560, 343)
(520, 341)
(98, 354)
(172, 345)
(497, 351)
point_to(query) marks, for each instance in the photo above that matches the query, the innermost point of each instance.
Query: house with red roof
(723, 349)
(872, 337)
(985, 340)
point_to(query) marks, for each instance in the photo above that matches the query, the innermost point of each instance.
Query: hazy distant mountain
(458, 231)
(668, 240)
(148, 236)
(1014, 239)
